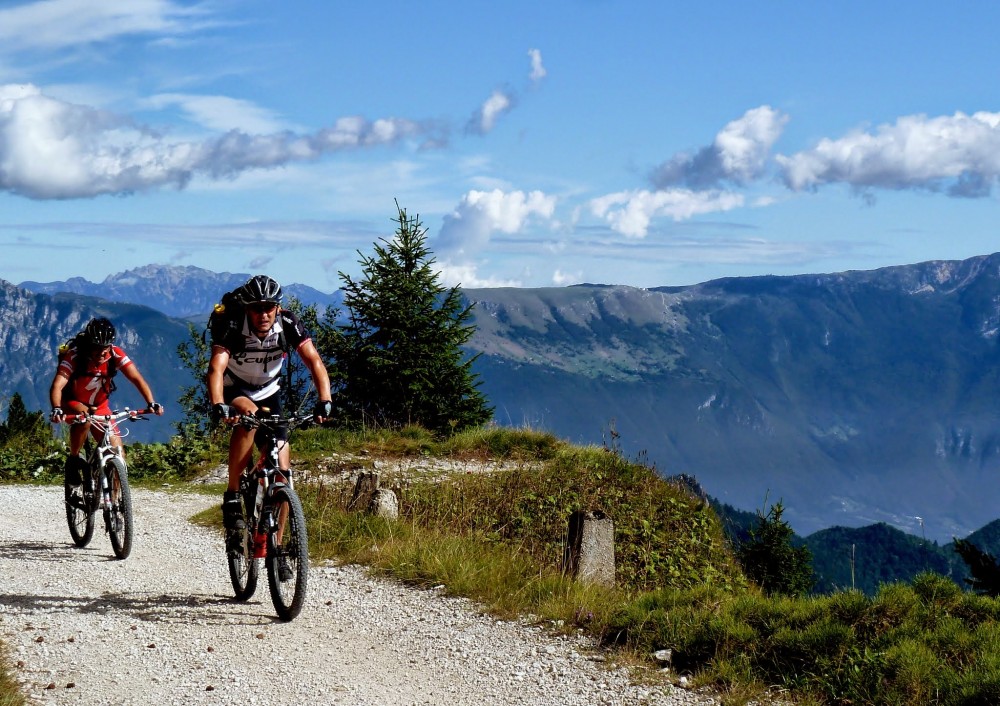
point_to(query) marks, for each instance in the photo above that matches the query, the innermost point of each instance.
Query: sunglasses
(262, 307)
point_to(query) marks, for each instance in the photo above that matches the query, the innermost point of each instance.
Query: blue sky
(541, 144)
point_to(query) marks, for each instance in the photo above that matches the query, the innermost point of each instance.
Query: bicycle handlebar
(132, 415)
(271, 422)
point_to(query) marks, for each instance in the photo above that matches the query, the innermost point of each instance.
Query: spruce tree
(194, 355)
(399, 353)
(983, 567)
(770, 559)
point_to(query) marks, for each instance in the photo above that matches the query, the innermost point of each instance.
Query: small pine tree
(20, 423)
(400, 354)
(983, 567)
(770, 559)
(296, 384)
(194, 355)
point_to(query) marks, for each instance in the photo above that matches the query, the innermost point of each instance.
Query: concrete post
(590, 551)
(385, 504)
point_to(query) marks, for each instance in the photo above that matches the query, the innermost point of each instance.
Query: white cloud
(465, 275)
(562, 279)
(960, 151)
(484, 120)
(220, 113)
(51, 149)
(538, 71)
(739, 153)
(743, 145)
(56, 24)
(469, 227)
(630, 212)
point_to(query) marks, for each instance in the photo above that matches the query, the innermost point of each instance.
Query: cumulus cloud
(563, 279)
(51, 149)
(538, 71)
(959, 152)
(466, 275)
(501, 102)
(630, 212)
(468, 228)
(738, 154)
(485, 118)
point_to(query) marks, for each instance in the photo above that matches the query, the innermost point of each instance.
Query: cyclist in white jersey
(244, 374)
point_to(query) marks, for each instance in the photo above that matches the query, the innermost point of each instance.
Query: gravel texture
(162, 628)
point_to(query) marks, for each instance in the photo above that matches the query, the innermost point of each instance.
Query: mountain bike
(274, 525)
(105, 484)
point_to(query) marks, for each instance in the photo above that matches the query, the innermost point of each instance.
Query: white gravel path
(161, 628)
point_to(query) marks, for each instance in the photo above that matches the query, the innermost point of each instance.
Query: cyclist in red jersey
(84, 381)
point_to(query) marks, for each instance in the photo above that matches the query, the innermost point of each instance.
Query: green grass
(10, 692)
(498, 538)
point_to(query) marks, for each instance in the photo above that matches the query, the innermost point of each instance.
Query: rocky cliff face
(32, 327)
(855, 397)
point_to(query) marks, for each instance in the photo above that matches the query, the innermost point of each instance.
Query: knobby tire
(289, 596)
(243, 568)
(118, 518)
(79, 513)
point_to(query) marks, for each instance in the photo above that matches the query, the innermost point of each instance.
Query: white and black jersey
(255, 364)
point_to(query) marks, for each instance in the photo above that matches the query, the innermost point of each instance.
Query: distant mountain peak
(182, 291)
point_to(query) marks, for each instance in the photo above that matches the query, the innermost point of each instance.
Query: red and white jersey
(90, 379)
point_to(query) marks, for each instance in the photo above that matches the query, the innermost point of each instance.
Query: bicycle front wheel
(79, 515)
(243, 567)
(118, 517)
(287, 555)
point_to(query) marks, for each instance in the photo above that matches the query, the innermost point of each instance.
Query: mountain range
(856, 398)
(180, 292)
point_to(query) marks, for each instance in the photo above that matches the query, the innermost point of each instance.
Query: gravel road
(161, 628)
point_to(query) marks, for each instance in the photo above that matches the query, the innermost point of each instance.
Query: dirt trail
(161, 627)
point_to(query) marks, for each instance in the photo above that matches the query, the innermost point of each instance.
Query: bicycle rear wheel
(118, 518)
(243, 568)
(289, 556)
(79, 516)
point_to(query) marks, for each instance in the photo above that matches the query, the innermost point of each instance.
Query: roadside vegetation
(737, 619)
(499, 538)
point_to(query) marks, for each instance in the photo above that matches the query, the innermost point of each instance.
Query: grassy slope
(498, 538)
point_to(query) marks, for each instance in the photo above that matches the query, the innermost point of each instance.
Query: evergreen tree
(983, 567)
(29, 426)
(400, 354)
(194, 355)
(296, 383)
(771, 560)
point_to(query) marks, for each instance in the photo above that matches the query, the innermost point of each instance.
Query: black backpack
(227, 316)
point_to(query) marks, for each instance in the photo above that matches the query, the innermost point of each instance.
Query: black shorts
(272, 404)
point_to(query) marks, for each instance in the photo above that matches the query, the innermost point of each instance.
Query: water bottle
(259, 502)
(259, 538)
(259, 545)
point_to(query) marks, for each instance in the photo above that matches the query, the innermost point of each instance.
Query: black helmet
(260, 288)
(99, 333)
